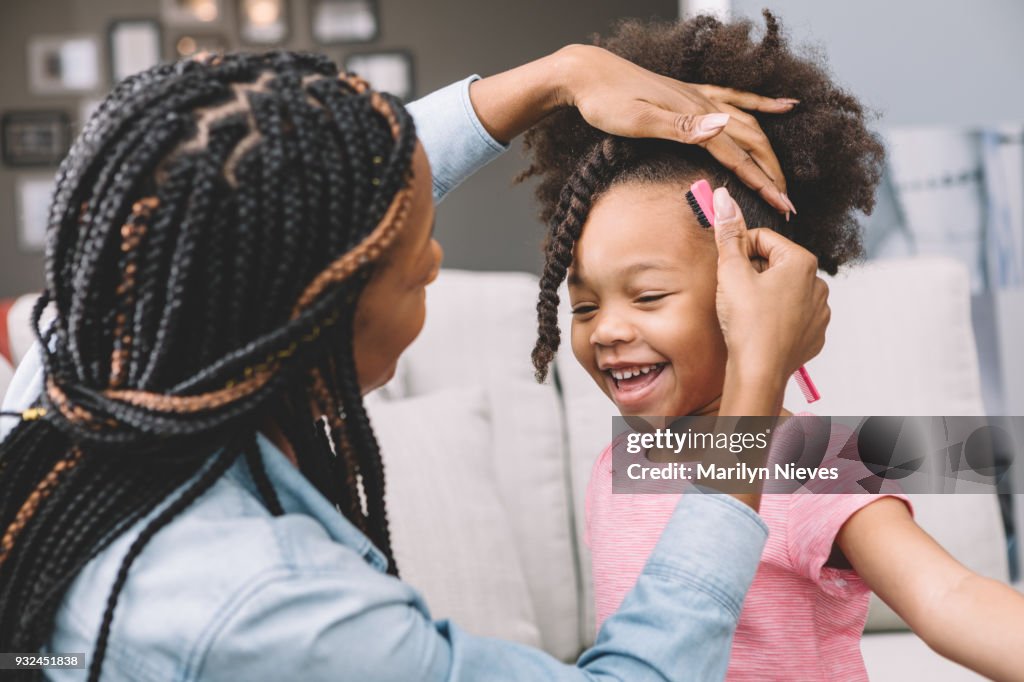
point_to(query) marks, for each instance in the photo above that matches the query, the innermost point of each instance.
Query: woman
(238, 251)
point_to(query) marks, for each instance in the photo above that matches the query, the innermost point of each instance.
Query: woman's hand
(774, 313)
(621, 98)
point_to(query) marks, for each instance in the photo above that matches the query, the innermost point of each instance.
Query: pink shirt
(801, 620)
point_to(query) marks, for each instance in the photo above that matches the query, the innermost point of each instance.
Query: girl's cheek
(580, 347)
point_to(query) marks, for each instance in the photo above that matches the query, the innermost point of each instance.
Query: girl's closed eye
(579, 309)
(651, 297)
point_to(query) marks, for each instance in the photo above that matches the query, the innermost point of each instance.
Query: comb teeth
(807, 387)
(697, 210)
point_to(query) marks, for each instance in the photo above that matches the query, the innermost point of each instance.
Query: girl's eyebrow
(574, 280)
(643, 266)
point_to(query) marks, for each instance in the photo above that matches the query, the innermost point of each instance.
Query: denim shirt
(227, 591)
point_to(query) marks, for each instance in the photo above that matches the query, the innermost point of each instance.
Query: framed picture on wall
(60, 65)
(34, 138)
(190, 12)
(32, 196)
(343, 21)
(86, 108)
(387, 71)
(188, 44)
(263, 22)
(134, 46)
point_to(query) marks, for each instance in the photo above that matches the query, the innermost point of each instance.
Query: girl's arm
(975, 621)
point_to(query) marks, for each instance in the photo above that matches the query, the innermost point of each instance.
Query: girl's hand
(773, 314)
(621, 98)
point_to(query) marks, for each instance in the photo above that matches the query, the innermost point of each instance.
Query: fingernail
(789, 202)
(725, 207)
(712, 122)
(788, 101)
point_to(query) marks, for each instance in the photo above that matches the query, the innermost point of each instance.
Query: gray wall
(486, 225)
(912, 61)
(917, 61)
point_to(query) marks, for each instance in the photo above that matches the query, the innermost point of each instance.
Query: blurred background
(945, 86)
(943, 79)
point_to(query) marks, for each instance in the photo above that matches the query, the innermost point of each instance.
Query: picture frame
(191, 12)
(390, 71)
(133, 46)
(187, 44)
(33, 194)
(334, 22)
(263, 22)
(59, 65)
(34, 138)
(86, 108)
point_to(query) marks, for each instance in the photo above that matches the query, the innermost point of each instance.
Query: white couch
(487, 469)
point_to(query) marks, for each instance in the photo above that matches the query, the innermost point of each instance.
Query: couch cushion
(19, 325)
(900, 342)
(479, 333)
(6, 374)
(464, 561)
(902, 656)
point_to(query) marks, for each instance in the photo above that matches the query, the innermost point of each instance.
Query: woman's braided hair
(211, 232)
(831, 160)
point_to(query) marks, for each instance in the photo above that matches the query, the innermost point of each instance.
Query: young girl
(642, 282)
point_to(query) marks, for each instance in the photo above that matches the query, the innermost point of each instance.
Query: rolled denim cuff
(456, 142)
(713, 542)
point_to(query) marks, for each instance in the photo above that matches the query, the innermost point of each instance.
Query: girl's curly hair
(831, 160)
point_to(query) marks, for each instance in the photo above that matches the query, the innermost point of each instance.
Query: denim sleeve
(345, 620)
(457, 144)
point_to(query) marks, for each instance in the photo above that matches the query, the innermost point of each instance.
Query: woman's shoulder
(191, 577)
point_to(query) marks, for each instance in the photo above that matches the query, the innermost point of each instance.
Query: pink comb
(701, 200)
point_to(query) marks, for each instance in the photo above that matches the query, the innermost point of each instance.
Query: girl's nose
(611, 328)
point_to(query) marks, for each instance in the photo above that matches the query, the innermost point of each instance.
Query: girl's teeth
(621, 375)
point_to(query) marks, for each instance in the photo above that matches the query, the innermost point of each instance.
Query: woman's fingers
(728, 153)
(775, 249)
(730, 230)
(747, 133)
(748, 100)
(619, 97)
(775, 319)
(670, 125)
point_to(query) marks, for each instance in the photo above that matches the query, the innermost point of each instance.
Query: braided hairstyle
(831, 160)
(211, 232)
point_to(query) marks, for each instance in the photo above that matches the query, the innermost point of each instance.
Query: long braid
(206, 185)
(567, 222)
(211, 233)
(254, 460)
(367, 451)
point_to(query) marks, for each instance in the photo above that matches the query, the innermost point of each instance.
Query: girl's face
(392, 307)
(642, 287)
